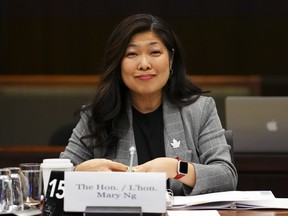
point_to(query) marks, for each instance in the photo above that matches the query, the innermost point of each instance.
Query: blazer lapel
(174, 135)
(125, 131)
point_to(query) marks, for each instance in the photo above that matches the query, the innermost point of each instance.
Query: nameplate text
(114, 189)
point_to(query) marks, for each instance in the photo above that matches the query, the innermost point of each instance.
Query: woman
(145, 100)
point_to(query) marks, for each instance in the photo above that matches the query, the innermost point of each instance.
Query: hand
(101, 165)
(163, 164)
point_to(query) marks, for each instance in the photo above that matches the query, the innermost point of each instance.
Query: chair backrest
(229, 138)
(60, 137)
(29, 115)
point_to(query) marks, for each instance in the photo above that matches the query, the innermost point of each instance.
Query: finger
(114, 166)
(139, 169)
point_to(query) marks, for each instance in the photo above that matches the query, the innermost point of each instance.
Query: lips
(145, 76)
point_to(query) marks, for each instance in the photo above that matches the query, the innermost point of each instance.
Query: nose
(144, 63)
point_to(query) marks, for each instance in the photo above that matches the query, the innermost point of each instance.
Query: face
(145, 67)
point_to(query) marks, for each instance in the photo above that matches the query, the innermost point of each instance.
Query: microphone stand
(132, 152)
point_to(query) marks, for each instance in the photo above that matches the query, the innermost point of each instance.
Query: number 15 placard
(53, 203)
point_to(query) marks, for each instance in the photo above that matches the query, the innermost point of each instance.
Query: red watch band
(178, 176)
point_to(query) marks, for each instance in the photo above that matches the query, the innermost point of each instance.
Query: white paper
(226, 196)
(193, 213)
(224, 200)
(277, 203)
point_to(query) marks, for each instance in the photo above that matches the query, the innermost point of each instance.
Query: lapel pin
(175, 143)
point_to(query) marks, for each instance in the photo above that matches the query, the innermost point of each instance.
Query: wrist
(182, 168)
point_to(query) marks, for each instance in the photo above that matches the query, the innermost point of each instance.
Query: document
(193, 213)
(230, 200)
(277, 203)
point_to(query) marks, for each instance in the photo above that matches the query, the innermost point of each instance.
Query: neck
(146, 104)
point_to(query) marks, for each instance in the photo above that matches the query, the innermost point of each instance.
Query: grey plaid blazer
(202, 143)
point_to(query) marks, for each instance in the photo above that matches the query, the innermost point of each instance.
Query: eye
(131, 54)
(156, 52)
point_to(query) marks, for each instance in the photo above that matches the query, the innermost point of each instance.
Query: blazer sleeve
(215, 171)
(77, 151)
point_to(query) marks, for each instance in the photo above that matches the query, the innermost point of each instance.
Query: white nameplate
(146, 190)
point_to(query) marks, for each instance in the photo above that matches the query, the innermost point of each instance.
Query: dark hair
(110, 100)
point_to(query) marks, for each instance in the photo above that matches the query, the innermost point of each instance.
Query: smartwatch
(182, 168)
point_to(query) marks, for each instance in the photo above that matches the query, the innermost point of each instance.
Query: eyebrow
(150, 44)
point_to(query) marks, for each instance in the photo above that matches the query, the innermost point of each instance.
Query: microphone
(132, 152)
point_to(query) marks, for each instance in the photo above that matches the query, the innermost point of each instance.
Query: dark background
(232, 37)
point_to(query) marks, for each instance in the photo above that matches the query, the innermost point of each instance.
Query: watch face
(183, 167)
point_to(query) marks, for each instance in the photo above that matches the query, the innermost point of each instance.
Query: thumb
(114, 166)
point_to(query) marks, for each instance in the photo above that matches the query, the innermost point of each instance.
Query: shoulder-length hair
(110, 100)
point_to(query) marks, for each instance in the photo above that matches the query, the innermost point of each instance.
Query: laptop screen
(259, 124)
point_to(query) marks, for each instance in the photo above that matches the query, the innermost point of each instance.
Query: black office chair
(229, 138)
(61, 135)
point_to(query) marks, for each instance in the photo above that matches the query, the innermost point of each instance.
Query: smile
(145, 76)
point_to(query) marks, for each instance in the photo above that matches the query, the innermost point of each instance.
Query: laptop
(259, 124)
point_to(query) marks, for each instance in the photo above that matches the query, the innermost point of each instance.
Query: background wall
(220, 37)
